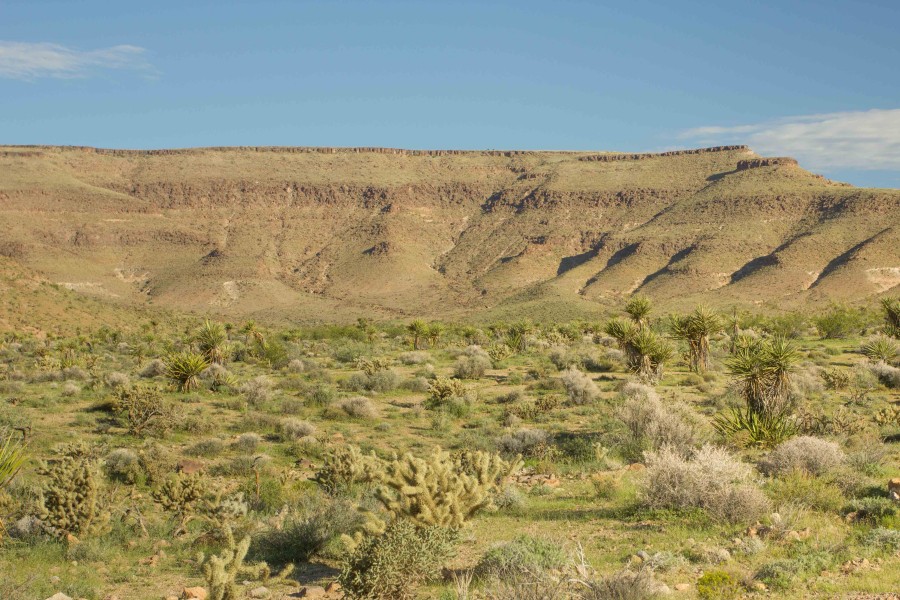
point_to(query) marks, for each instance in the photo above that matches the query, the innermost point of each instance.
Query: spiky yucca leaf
(881, 348)
(761, 429)
(12, 457)
(184, 369)
(212, 341)
(638, 308)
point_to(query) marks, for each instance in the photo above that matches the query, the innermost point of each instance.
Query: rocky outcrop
(756, 163)
(646, 155)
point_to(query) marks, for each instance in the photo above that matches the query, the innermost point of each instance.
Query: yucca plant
(12, 457)
(638, 308)
(435, 331)
(695, 329)
(648, 354)
(517, 335)
(881, 348)
(760, 429)
(212, 342)
(763, 370)
(891, 308)
(184, 369)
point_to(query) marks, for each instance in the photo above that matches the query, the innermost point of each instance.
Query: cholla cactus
(488, 468)
(443, 390)
(435, 490)
(221, 570)
(68, 501)
(180, 494)
(372, 366)
(346, 466)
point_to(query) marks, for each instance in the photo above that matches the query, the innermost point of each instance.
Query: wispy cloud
(864, 140)
(29, 61)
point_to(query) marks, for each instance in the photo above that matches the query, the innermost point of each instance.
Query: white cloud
(28, 61)
(865, 140)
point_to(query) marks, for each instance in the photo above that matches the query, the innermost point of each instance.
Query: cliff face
(332, 233)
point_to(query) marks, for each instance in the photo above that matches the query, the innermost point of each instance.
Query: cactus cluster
(346, 466)
(180, 494)
(69, 496)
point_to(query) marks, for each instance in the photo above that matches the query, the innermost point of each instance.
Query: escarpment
(335, 233)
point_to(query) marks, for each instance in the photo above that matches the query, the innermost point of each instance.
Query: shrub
(144, 411)
(70, 389)
(580, 388)
(523, 555)
(886, 374)
(295, 429)
(711, 479)
(472, 364)
(210, 447)
(523, 441)
(154, 368)
(650, 425)
(881, 348)
(358, 407)
(416, 357)
(717, 584)
(308, 528)
(752, 428)
(248, 442)
(799, 487)
(839, 322)
(123, 465)
(623, 585)
(883, 539)
(117, 380)
(257, 391)
(395, 563)
(320, 395)
(804, 453)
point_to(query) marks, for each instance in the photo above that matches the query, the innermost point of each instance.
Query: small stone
(54, 579)
(643, 556)
(260, 592)
(682, 587)
(663, 590)
(59, 596)
(333, 587)
(759, 586)
(194, 593)
(312, 591)
(636, 467)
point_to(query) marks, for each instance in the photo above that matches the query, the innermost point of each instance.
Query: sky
(819, 81)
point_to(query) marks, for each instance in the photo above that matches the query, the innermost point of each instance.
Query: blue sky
(816, 80)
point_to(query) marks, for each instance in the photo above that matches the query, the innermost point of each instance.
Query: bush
(711, 479)
(144, 411)
(358, 407)
(523, 441)
(416, 357)
(472, 364)
(799, 487)
(883, 539)
(307, 530)
(886, 374)
(210, 447)
(580, 388)
(623, 585)
(320, 395)
(523, 555)
(717, 584)
(839, 322)
(395, 563)
(117, 380)
(123, 465)
(881, 348)
(257, 391)
(804, 453)
(295, 429)
(248, 442)
(70, 389)
(650, 425)
(155, 368)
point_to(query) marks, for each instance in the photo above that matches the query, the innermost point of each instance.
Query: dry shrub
(650, 425)
(804, 453)
(358, 407)
(710, 479)
(295, 429)
(472, 364)
(580, 388)
(257, 391)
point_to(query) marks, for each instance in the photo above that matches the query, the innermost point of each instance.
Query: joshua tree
(695, 329)
(638, 308)
(418, 329)
(645, 352)
(435, 331)
(763, 369)
(517, 335)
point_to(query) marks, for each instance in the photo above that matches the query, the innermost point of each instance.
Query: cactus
(221, 570)
(180, 494)
(347, 465)
(436, 490)
(69, 500)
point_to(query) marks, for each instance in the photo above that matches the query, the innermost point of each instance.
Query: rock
(682, 587)
(59, 596)
(71, 539)
(663, 590)
(194, 593)
(171, 598)
(54, 579)
(894, 488)
(189, 466)
(312, 591)
(643, 556)
(333, 587)
(260, 592)
(636, 467)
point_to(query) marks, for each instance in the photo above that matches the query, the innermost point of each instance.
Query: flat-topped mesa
(773, 161)
(645, 155)
(281, 150)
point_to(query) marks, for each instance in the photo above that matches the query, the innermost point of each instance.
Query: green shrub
(717, 584)
(395, 563)
(525, 554)
(801, 488)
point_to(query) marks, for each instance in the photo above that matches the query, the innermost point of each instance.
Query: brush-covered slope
(336, 233)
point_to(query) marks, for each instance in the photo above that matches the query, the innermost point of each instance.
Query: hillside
(331, 234)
